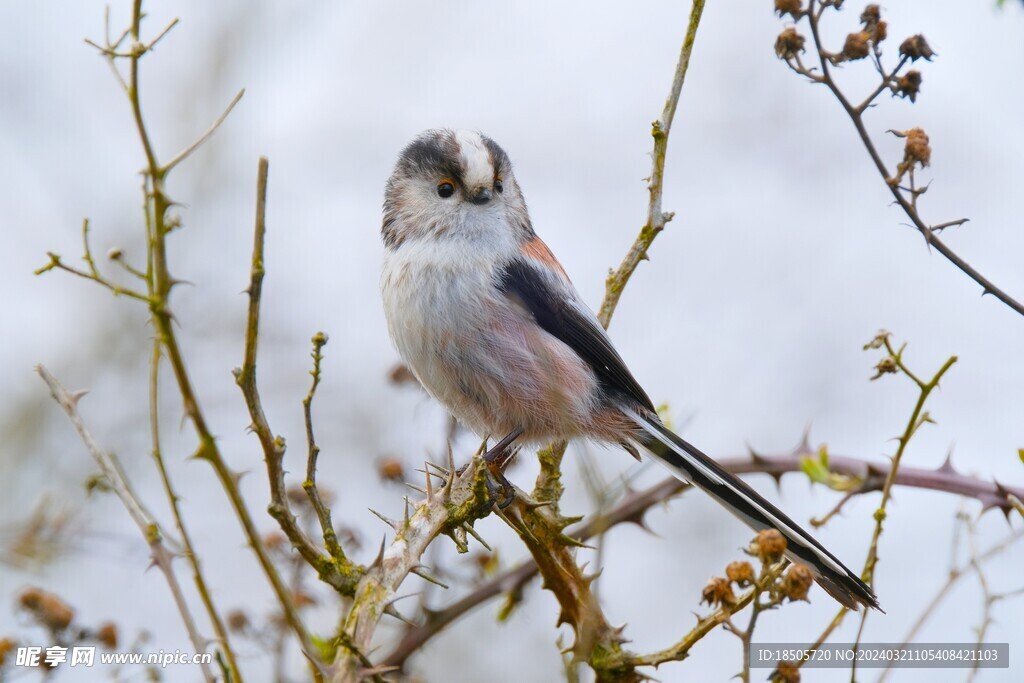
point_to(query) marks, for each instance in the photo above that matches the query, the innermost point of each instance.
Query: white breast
(473, 349)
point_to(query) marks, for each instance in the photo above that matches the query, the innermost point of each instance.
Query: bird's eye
(498, 185)
(445, 189)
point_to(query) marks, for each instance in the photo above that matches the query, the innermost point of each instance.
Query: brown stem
(338, 575)
(856, 116)
(632, 507)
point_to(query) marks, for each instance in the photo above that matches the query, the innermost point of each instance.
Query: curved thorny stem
(860, 45)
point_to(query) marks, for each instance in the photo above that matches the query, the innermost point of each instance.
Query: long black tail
(689, 464)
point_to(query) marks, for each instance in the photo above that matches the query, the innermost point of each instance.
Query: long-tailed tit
(488, 321)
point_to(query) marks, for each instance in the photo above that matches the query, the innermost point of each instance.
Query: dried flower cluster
(917, 152)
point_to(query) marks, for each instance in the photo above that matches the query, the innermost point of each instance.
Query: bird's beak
(481, 196)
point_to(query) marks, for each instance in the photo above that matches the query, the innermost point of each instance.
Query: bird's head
(451, 182)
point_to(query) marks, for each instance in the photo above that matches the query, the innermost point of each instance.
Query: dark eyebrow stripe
(499, 160)
(435, 154)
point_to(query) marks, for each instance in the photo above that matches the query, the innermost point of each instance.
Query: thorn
(991, 501)
(378, 671)
(472, 532)
(420, 571)
(874, 471)
(397, 598)
(405, 522)
(451, 476)
(947, 465)
(592, 577)
(379, 560)
(75, 396)
(387, 520)
(574, 542)
(392, 612)
(532, 504)
(563, 522)
(441, 471)
(430, 485)
(416, 488)
(805, 440)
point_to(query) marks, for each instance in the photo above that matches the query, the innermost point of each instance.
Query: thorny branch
(597, 642)
(893, 363)
(160, 283)
(148, 526)
(323, 513)
(232, 672)
(858, 46)
(336, 571)
(450, 509)
(549, 487)
(866, 477)
(955, 574)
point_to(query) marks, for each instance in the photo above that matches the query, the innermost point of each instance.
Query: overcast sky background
(784, 258)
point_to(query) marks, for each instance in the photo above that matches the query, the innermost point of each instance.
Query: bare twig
(656, 218)
(183, 154)
(597, 642)
(323, 513)
(918, 417)
(341, 575)
(987, 596)
(160, 283)
(463, 499)
(634, 505)
(93, 273)
(549, 487)
(233, 673)
(855, 113)
(143, 520)
(708, 623)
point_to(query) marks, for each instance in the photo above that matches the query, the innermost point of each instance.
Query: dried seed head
(237, 620)
(739, 572)
(880, 33)
(796, 582)
(789, 44)
(303, 599)
(870, 16)
(879, 340)
(785, 672)
(909, 85)
(793, 8)
(718, 592)
(401, 374)
(274, 540)
(886, 366)
(856, 47)
(46, 608)
(390, 469)
(107, 635)
(915, 48)
(7, 645)
(297, 496)
(768, 546)
(917, 149)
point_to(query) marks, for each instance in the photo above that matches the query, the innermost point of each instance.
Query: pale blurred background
(784, 259)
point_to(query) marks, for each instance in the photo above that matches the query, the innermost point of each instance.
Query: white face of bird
(452, 183)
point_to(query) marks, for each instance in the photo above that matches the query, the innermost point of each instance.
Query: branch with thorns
(860, 45)
(862, 475)
(549, 487)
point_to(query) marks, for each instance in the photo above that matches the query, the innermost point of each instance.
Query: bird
(488, 321)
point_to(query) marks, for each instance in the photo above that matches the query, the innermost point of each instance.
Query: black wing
(568, 322)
